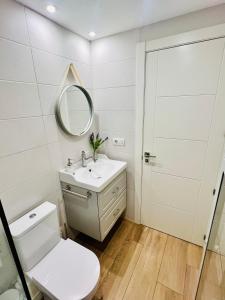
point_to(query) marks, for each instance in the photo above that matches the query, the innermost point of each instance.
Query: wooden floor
(140, 263)
(212, 283)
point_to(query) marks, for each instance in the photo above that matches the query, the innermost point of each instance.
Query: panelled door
(180, 103)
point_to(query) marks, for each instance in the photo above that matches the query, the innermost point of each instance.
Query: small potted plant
(96, 142)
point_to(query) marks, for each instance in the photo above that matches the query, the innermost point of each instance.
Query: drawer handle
(116, 212)
(77, 194)
(116, 190)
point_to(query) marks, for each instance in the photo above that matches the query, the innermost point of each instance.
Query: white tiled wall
(34, 53)
(113, 63)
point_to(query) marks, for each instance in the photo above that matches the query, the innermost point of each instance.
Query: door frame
(142, 49)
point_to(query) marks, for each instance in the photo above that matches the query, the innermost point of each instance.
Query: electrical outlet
(119, 141)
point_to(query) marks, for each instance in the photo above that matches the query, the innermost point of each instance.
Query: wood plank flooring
(212, 283)
(140, 263)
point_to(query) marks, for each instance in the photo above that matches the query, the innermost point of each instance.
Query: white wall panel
(116, 47)
(49, 68)
(24, 165)
(15, 62)
(118, 98)
(119, 73)
(47, 35)
(21, 134)
(13, 22)
(18, 100)
(48, 96)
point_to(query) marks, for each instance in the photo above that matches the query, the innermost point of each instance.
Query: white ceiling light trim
(51, 8)
(92, 34)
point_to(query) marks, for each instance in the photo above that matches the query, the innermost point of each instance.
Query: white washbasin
(96, 176)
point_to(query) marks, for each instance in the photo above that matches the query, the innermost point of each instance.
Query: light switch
(119, 141)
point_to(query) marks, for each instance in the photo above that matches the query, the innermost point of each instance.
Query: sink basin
(96, 176)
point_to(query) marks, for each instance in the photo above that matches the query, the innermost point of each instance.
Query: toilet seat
(68, 272)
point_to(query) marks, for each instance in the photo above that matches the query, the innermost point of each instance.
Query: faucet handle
(69, 162)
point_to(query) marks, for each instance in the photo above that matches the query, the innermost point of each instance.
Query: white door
(181, 108)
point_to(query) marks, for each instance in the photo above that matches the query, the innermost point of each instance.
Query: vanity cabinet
(94, 214)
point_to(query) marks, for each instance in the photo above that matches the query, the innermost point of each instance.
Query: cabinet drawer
(111, 193)
(109, 219)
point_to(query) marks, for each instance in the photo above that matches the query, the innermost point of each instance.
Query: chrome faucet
(84, 159)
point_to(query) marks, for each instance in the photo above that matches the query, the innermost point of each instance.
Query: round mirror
(75, 110)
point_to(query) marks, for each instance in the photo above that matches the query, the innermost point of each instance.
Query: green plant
(96, 142)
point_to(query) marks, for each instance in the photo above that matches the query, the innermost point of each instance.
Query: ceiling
(106, 17)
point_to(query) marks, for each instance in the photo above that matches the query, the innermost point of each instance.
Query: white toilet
(11, 294)
(61, 269)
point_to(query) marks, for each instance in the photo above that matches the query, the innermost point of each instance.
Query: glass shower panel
(11, 287)
(212, 280)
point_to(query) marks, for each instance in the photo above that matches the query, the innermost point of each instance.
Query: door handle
(148, 155)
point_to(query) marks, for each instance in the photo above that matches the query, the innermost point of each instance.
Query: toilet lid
(68, 272)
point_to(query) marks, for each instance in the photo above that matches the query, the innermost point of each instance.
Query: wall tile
(118, 98)
(116, 74)
(15, 62)
(118, 121)
(55, 155)
(13, 22)
(124, 133)
(85, 73)
(49, 97)
(29, 194)
(72, 146)
(51, 128)
(124, 156)
(49, 68)
(18, 100)
(21, 134)
(46, 35)
(116, 47)
(24, 165)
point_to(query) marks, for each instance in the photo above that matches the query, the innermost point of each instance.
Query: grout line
(28, 149)
(93, 65)
(17, 81)
(36, 78)
(114, 87)
(29, 45)
(114, 110)
(19, 118)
